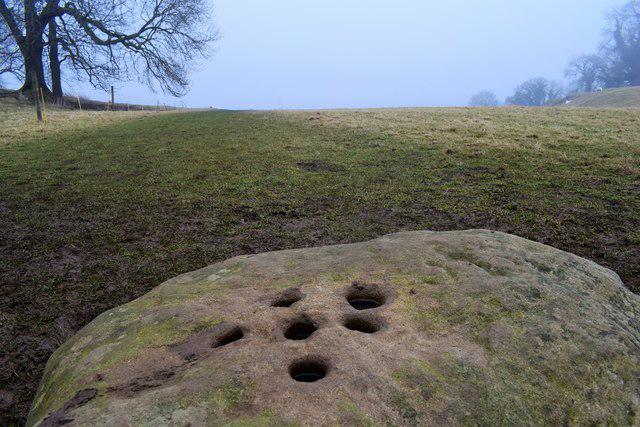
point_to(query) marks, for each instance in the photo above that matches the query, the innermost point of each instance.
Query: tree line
(101, 41)
(616, 64)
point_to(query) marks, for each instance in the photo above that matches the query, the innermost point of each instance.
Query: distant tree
(154, 41)
(484, 98)
(587, 72)
(622, 46)
(536, 93)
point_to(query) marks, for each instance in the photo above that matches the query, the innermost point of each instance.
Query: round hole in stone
(365, 297)
(300, 330)
(364, 303)
(287, 298)
(308, 370)
(229, 336)
(363, 324)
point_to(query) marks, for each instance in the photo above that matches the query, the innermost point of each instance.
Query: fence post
(36, 96)
(113, 102)
(44, 107)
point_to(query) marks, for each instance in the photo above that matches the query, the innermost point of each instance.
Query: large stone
(474, 327)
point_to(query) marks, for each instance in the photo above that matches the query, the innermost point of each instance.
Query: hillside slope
(626, 97)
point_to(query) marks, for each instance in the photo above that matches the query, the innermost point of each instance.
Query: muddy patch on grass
(246, 214)
(69, 260)
(6, 399)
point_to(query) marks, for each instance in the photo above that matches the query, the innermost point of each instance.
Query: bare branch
(10, 21)
(10, 55)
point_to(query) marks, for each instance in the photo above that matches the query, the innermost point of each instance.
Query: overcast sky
(375, 53)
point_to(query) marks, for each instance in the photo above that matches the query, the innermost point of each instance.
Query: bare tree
(622, 46)
(536, 93)
(587, 72)
(153, 41)
(72, 49)
(484, 98)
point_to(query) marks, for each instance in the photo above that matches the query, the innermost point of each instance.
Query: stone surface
(475, 327)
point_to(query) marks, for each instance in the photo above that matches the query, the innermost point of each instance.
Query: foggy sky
(374, 53)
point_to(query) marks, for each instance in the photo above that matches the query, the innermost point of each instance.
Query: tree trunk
(589, 84)
(54, 63)
(33, 67)
(33, 50)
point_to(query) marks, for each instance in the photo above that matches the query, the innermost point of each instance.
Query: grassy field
(98, 208)
(626, 97)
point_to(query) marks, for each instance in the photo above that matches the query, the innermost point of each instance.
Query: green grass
(626, 97)
(98, 208)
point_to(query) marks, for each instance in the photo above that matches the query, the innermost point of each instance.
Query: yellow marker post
(79, 104)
